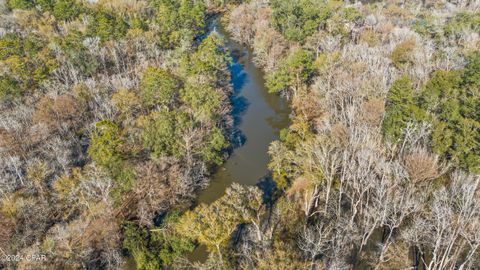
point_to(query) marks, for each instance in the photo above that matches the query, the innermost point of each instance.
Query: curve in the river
(259, 116)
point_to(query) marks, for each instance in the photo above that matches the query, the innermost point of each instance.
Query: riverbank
(258, 118)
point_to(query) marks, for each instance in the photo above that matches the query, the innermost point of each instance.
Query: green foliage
(173, 244)
(32, 44)
(66, 9)
(158, 87)
(400, 109)
(219, 4)
(163, 131)
(203, 100)
(209, 61)
(10, 45)
(20, 4)
(281, 165)
(157, 247)
(215, 143)
(45, 5)
(212, 225)
(293, 72)
(179, 20)
(451, 97)
(451, 100)
(77, 54)
(471, 76)
(298, 131)
(26, 62)
(106, 150)
(106, 26)
(299, 19)
(443, 87)
(126, 103)
(351, 14)
(9, 89)
(138, 22)
(424, 26)
(124, 177)
(136, 241)
(105, 144)
(279, 81)
(459, 142)
(462, 21)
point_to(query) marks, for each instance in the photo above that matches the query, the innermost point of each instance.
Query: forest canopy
(112, 113)
(115, 114)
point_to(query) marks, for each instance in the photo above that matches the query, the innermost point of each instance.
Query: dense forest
(114, 113)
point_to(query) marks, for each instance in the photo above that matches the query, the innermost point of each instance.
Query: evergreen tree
(400, 109)
(451, 98)
(157, 247)
(106, 26)
(105, 144)
(209, 62)
(158, 87)
(293, 73)
(203, 100)
(299, 19)
(162, 133)
(66, 9)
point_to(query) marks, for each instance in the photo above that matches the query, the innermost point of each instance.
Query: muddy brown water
(259, 117)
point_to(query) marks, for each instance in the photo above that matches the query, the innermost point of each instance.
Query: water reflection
(258, 118)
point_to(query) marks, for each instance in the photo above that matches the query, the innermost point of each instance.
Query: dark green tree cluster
(293, 73)
(159, 88)
(203, 100)
(107, 25)
(64, 9)
(105, 144)
(163, 131)
(401, 109)
(450, 101)
(209, 62)
(28, 63)
(179, 20)
(158, 246)
(170, 132)
(109, 150)
(299, 19)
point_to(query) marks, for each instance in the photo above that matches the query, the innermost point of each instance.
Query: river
(259, 116)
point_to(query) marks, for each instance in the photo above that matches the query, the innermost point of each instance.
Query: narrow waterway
(259, 116)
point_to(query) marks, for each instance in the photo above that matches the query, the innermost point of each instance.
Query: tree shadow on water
(268, 186)
(239, 103)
